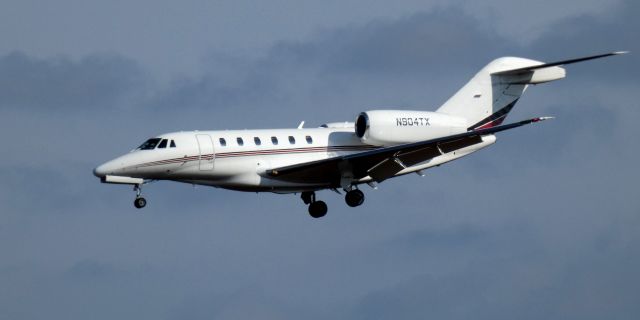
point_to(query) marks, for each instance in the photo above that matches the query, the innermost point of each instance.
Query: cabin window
(292, 140)
(163, 144)
(257, 141)
(309, 139)
(240, 142)
(172, 145)
(223, 142)
(149, 144)
(274, 140)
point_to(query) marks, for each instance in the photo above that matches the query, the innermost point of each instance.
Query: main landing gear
(354, 198)
(318, 209)
(139, 202)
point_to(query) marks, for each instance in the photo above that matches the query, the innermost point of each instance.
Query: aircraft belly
(246, 174)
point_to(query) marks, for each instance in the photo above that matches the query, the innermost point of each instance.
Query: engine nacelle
(390, 127)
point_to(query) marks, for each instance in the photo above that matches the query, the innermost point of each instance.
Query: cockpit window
(173, 144)
(163, 144)
(149, 144)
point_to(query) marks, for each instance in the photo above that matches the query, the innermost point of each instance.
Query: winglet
(538, 119)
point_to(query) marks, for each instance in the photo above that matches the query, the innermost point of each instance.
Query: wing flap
(454, 145)
(386, 169)
(413, 157)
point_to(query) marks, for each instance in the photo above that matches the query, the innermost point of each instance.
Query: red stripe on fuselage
(492, 123)
(254, 153)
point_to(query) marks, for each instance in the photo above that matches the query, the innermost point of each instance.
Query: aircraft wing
(386, 162)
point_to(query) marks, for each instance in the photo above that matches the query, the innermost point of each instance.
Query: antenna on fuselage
(301, 125)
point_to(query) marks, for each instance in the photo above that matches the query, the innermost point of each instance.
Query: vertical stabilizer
(488, 97)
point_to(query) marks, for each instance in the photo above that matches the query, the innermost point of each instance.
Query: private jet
(379, 145)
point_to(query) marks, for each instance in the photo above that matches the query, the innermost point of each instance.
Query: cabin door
(205, 144)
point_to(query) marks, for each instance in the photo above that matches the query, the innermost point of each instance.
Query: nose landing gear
(317, 209)
(139, 202)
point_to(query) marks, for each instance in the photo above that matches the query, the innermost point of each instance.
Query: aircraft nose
(110, 167)
(100, 171)
(116, 167)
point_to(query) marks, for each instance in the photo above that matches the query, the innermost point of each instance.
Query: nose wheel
(139, 202)
(317, 208)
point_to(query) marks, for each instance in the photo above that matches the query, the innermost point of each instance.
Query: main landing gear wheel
(318, 209)
(354, 198)
(140, 202)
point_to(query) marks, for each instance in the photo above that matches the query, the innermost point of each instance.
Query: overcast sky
(544, 224)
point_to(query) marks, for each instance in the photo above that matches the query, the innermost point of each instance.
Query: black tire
(354, 198)
(140, 203)
(318, 209)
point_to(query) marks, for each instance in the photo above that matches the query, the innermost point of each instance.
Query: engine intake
(362, 125)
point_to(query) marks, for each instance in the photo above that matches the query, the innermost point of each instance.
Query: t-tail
(486, 100)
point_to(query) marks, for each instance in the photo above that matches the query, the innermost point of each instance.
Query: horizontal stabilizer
(557, 63)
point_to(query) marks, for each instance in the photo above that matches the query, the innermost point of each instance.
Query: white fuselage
(238, 159)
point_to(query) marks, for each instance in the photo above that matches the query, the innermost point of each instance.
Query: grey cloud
(352, 67)
(92, 270)
(543, 224)
(372, 65)
(583, 35)
(242, 304)
(60, 84)
(426, 296)
(21, 183)
(494, 288)
(458, 236)
(437, 42)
